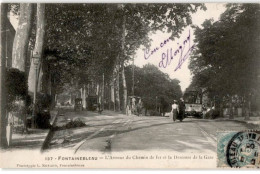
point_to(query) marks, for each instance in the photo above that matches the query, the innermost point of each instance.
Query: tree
(164, 89)
(226, 59)
(38, 48)
(108, 37)
(3, 117)
(21, 40)
(167, 17)
(21, 45)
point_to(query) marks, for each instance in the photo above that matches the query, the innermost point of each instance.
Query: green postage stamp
(239, 149)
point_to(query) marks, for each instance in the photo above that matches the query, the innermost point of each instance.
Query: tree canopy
(226, 60)
(163, 88)
(84, 36)
(84, 41)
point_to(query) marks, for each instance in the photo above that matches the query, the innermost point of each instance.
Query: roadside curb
(253, 122)
(50, 132)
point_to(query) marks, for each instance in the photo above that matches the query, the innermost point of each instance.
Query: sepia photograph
(130, 85)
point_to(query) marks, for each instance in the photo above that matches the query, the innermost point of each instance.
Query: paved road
(117, 132)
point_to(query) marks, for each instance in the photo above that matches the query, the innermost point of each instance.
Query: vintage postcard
(130, 85)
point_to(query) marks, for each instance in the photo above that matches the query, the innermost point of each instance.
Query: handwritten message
(183, 51)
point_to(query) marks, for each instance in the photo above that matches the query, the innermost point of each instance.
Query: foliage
(43, 101)
(226, 60)
(162, 91)
(16, 84)
(87, 39)
(75, 123)
(154, 113)
(83, 41)
(14, 8)
(212, 114)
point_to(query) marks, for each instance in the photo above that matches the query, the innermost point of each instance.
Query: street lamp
(35, 59)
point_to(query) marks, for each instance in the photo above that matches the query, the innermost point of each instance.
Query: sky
(183, 75)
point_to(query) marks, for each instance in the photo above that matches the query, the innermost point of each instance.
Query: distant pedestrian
(174, 110)
(204, 111)
(181, 109)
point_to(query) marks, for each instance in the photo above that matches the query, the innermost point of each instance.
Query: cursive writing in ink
(148, 53)
(169, 55)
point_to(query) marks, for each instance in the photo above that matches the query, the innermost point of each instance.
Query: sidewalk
(252, 120)
(74, 136)
(34, 139)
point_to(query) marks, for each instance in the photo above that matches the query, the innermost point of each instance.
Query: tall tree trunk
(40, 78)
(84, 97)
(117, 89)
(53, 92)
(116, 84)
(109, 96)
(40, 31)
(103, 91)
(249, 110)
(231, 115)
(81, 93)
(97, 90)
(32, 78)
(3, 116)
(133, 77)
(20, 46)
(46, 78)
(221, 108)
(100, 94)
(124, 89)
(70, 100)
(21, 40)
(123, 66)
(112, 101)
(38, 49)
